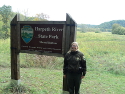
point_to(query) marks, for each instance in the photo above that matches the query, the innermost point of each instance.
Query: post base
(15, 82)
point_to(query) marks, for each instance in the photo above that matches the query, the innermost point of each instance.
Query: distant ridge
(105, 25)
(108, 25)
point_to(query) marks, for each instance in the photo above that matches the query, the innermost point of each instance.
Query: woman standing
(74, 68)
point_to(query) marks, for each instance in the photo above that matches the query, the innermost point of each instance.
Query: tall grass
(103, 51)
(27, 60)
(105, 55)
(5, 53)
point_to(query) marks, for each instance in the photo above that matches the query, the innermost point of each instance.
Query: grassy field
(105, 55)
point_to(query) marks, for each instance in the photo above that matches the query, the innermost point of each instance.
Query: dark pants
(74, 81)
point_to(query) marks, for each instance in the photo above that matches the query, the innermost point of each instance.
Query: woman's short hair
(71, 46)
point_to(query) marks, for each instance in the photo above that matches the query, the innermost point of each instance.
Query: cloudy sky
(82, 11)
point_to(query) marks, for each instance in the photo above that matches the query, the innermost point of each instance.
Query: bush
(97, 31)
(33, 60)
(117, 29)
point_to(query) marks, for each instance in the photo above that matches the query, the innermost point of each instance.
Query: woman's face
(74, 47)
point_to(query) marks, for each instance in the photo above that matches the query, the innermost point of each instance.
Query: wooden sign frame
(69, 36)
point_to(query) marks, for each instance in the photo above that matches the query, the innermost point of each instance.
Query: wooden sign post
(52, 38)
(15, 69)
(70, 36)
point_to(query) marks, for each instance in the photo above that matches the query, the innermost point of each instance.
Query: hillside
(108, 25)
(105, 25)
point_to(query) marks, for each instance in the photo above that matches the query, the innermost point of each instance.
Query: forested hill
(108, 25)
(105, 25)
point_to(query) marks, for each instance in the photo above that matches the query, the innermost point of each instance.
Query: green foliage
(103, 51)
(21, 89)
(105, 55)
(83, 28)
(29, 60)
(108, 25)
(97, 31)
(5, 12)
(6, 15)
(104, 27)
(93, 30)
(117, 29)
(48, 81)
(86, 28)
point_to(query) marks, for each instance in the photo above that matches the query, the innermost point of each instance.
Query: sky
(92, 12)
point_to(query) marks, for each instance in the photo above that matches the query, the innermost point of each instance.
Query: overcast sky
(82, 11)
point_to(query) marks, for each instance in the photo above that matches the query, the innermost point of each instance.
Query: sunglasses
(74, 45)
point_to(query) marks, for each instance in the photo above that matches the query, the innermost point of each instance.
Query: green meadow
(105, 55)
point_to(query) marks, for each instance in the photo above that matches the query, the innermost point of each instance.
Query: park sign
(44, 38)
(52, 38)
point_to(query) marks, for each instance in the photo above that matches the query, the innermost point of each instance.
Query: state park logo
(27, 33)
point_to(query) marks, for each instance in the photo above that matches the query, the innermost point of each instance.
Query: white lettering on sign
(48, 36)
(47, 29)
(31, 47)
(55, 29)
(54, 37)
(42, 36)
(42, 29)
(48, 42)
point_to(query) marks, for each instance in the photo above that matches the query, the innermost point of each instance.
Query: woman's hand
(82, 77)
(64, 76)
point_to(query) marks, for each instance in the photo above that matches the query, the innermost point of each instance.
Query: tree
(122, 31)
(5, 12)
(41, 17)
(83, 28)
(117, 29)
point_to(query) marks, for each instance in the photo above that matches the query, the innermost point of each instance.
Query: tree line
(6, 15)
(115, 26)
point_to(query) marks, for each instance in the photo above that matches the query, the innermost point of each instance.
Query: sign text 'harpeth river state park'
(43, 37)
